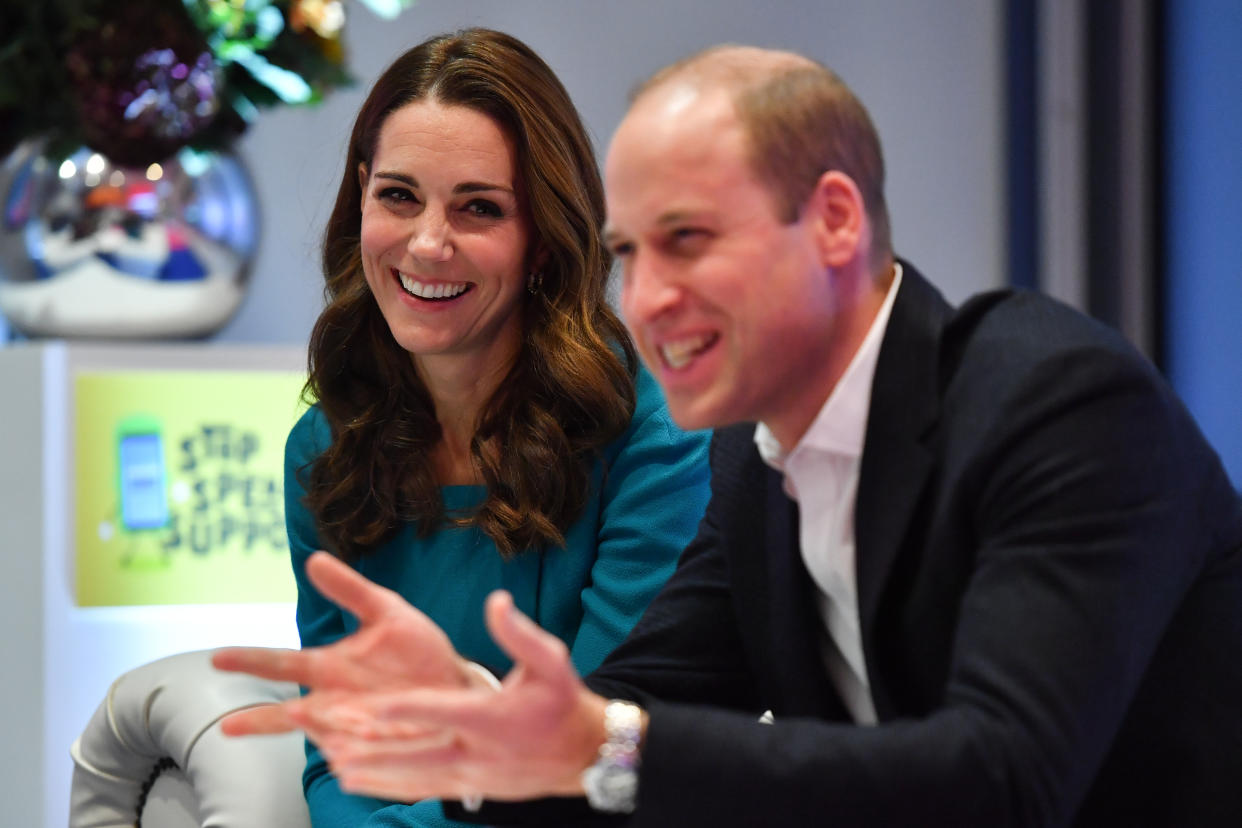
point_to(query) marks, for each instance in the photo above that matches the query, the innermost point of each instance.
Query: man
(975, 566)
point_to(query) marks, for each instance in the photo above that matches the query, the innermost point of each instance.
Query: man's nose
(430, 240)
(648, 289)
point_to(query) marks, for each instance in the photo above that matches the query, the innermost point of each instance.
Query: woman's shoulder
(651, 422)
(648, 398)
(310, 436)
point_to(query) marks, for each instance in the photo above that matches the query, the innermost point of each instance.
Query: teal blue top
(648, 492)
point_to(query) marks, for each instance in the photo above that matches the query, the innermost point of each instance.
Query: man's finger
(258, 721)
(407, 776)
(399, 713)
(540, 652)
(347, 588)
(275, 664)
(349, 715)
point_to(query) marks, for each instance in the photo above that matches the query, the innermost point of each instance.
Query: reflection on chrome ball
(89, 249)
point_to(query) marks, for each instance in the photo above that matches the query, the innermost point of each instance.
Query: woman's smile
(431, 291)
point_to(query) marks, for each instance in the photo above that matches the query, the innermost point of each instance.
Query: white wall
(931, 74)
(58, 658)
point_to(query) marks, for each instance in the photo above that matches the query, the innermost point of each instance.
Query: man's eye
(622, 249)
(687, 239)
(482, 207)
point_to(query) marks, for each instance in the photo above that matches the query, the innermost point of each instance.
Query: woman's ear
(538, 260)
(362, 181)
(840, 226)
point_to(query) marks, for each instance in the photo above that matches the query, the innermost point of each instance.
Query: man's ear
(839, 219)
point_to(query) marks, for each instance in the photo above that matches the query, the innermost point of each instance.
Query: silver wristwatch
(611, 784)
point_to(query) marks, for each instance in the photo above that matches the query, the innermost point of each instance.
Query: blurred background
(1088, 150)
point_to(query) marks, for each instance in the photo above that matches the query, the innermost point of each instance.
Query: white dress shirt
(821, 475)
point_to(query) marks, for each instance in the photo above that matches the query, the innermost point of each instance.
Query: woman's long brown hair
(571, 389)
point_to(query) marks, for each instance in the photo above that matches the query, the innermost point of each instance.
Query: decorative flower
(139, 79)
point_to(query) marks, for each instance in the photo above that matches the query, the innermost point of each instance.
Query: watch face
(611, 787)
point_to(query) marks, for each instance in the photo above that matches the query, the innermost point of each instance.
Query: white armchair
(153, 754)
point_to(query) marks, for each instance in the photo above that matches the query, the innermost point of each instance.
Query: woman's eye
(396, 194)
(481, 207)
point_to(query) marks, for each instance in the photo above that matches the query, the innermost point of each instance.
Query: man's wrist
(611, 782)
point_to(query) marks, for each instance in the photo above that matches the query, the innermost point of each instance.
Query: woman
(481, 422)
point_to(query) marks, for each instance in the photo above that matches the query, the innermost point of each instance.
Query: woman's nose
(430, 238)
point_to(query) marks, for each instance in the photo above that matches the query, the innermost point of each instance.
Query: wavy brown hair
(569, 392)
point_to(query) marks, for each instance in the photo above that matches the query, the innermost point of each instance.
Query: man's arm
(1085, 531)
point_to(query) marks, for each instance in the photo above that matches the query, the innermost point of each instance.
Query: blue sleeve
(654, 492)
(425, 814)
(319, 620)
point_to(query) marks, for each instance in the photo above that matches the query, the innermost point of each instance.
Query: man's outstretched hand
(398, 714)
(395, 647)
(532, 738)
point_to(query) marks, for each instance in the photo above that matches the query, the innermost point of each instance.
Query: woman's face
(444, 236)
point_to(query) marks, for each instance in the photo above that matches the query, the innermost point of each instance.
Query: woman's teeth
(678, 353)
(438, 291)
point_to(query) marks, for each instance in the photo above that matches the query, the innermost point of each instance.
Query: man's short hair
(800, 120)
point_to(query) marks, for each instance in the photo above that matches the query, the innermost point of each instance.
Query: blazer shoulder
(998, 341)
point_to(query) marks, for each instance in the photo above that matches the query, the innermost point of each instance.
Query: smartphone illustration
(142, 478)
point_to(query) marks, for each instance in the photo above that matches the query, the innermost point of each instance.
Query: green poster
(180, 486)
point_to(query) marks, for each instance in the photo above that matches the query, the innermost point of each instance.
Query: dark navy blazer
(1049, 567)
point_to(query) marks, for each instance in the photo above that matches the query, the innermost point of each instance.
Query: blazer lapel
(801, 679)
(895, 462)
(772, 589)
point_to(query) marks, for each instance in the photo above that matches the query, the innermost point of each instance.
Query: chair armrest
(171, 708)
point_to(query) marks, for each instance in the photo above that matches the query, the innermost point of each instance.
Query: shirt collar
(841, 424)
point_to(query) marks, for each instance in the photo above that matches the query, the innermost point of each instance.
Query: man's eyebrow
(464, 187)
(678, 216)
(611, 234)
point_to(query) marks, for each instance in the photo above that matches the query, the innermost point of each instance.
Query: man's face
(731, 309)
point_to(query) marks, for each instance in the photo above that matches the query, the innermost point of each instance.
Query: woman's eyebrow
(396, 176)
(481, 187)
(464, 187)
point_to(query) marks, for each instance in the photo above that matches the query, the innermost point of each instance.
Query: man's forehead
(670, 160)
(680, 120)
(676, 99)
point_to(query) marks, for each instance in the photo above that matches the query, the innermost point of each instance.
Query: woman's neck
(459, 392)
